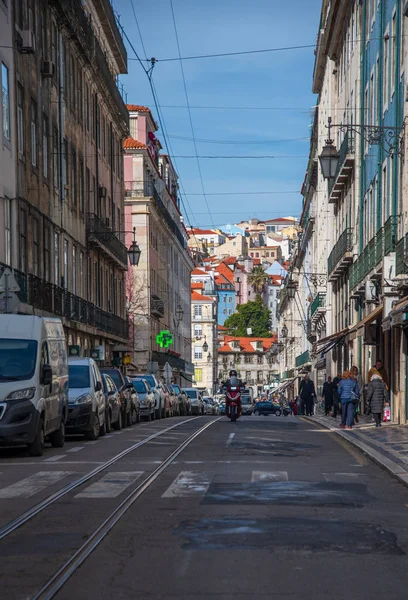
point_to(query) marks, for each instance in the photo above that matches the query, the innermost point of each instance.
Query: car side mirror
(98, 386)
(111, 393)
(46, 375)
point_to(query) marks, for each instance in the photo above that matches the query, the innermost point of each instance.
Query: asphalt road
(268, 507)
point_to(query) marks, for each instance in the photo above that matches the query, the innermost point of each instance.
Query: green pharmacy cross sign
(164, 339)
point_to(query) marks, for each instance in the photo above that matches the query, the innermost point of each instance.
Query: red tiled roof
(281, 220)
(197, 285)
(197, 296)
(198, 231)
(276, 279)
(226, 272)
(142, 109)
(231, 260)
(198, 272)
(222, 328)
(131, 144)
(256, 261)
(245, 343)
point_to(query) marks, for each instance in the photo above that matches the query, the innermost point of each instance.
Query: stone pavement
(387, 445)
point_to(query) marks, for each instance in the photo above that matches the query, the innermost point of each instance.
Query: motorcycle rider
(233, 381)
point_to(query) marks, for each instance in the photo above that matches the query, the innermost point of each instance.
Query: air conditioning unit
(28, 41)
(102, 192)
(48, 68)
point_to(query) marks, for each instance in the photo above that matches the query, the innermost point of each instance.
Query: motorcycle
(233, 395)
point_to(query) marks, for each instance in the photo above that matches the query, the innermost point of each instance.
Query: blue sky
(278, 80)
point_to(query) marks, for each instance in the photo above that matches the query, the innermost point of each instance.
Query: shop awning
(285, 384)
(189, 378)
(368, 318)
(325, 344)
(401, 306)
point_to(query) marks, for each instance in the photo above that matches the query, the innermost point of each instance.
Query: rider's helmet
(233, 373)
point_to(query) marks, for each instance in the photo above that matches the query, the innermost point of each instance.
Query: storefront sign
(164, 339)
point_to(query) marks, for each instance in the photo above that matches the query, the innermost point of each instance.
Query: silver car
(146, 398)
(197, 402)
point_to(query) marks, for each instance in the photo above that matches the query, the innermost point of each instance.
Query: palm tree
(257, 279)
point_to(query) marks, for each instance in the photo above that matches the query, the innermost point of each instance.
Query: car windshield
(17, 359)
(246, 400)
(116, 376)
(150, 380)
(78, 376)
(139, 386)
(191, 393)
(176, 389)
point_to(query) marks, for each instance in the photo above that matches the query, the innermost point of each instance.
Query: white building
(204, 338)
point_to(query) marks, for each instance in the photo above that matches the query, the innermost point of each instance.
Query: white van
(33, 382)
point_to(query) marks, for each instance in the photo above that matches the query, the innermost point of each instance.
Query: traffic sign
(8, 282)
(9, 302)
(168, 372)
(127, 359)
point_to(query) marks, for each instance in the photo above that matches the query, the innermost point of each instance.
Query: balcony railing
(390, 235)
(401, 256)
(341, 251)
(57, 301)
(102, 234)
(346, 156)
(302, 359)
(156, 306)
(379, 246)
(318, 302)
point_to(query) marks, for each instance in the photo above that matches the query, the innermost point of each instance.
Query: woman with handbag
(349, 393)
(377, 396)
(357, 377)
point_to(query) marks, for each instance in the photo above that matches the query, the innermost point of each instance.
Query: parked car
(222, 408)
(267, 408)
(135, 403)
(113, 405)
(159, 397)
(208, 405)
(184, 401)
(167, 400)
(197, 403)
(33, 382)
(86, 411)
(247, 406)
(174, 401)
(146, 397)
(125, 391)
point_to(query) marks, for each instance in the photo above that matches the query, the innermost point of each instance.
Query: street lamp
(284, 331)
(179, 313)
(329, 159)
(205, 346)
(134, 251)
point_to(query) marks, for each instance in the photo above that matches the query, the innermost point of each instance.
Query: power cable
(189, 111)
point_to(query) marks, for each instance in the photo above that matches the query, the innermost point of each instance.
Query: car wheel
(117, 426)
(134, 415)
(138, 416)
(129, 420)
(108, 422)
(102, 430)
(157, 414)
(57, 438)
(36, 448)
(96, 428)
(278, 412)
(256, 413)
(124, 419)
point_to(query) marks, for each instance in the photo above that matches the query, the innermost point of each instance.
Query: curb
(392, 467)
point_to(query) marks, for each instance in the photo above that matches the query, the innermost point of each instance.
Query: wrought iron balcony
(401, 256)
(302, 359)
(344, 168)
(156, 306)
(318, 303)
(341, 256)
(21, 279)
(139, 189)
(102, 236)
(390, 235)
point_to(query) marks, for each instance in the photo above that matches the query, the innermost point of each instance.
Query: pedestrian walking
(348, 392)
(327, 394)
(307, 393)
(357, 377)
(378, 369)
(377, 396)
(336, 398)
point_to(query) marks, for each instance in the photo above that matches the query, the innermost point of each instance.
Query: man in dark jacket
(327, 394)
(336, 398)
(377, 396)
(307, 393)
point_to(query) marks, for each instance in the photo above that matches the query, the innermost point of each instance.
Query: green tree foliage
(257, 278)
(252, 314)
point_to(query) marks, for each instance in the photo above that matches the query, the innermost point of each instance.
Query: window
(65, 169)
(45, 147)
(57, 259)
(20, 118)
(198, 375)
(230, 311)
(198, 311)
(230, 300)
(5, 100)
(81, 187)
(248, 375)
(385, 73)
(43, 33)
(225, 312)
(33, 133)
(66, 264)
(384, 194)
(247, 359)
(80, 95)
(74, 270)
(393, 51)
(74, 179)
(54, 36)
(88, 189)
(198, 352)
(259, 360)
(87, 106)
(23, 240)
(259, 377)
(36, 247)
(198, 331)
(81, 274)
(55, 157)
(71, 91)
(7, 231)
(47, 258)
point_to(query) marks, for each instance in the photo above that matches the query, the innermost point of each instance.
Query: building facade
(70, 121)
(204, 335)
(158, 290)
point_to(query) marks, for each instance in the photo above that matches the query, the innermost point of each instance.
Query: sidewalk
(387, 445)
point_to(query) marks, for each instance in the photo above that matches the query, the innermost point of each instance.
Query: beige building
(236, 246)
(204, 338)
(158, 289)
(70, 123)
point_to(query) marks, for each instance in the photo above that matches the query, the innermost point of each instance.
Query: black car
(267, 408)
(125, 390)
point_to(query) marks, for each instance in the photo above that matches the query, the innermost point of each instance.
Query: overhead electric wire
(243, 193)
(240, 142)
(188, 107)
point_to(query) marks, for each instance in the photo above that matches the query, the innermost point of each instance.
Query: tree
(257, 279)
(252, 315)
(137, 308)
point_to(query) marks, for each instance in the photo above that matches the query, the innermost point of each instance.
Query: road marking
(33, 484)
(188, 483)
(333, 477)
(76, 449)
(111, 485)
(54, 458)
(269, 476)
(230, 438)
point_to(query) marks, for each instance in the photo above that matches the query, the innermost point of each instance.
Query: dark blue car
(267, 408)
